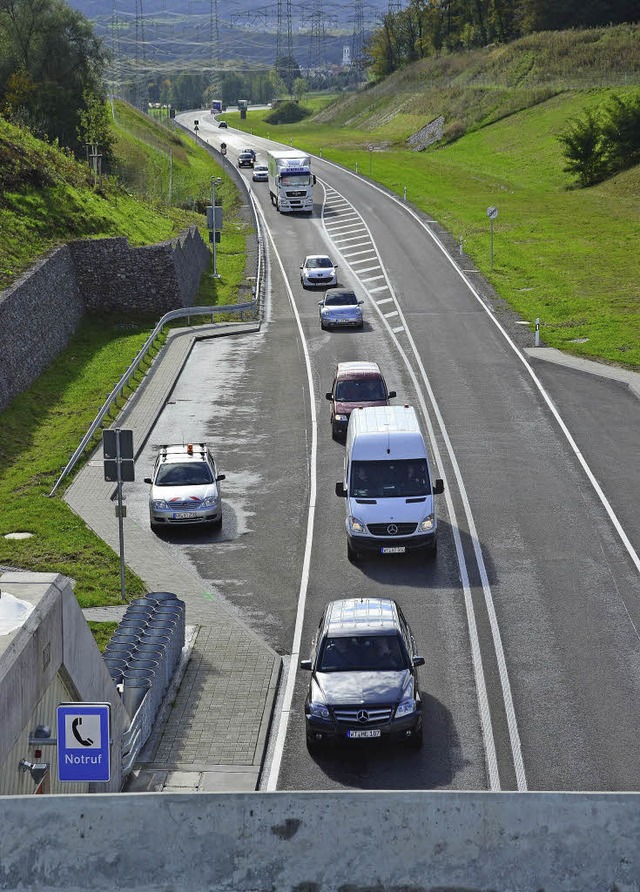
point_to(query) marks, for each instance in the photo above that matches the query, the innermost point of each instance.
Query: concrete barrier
(316, 842)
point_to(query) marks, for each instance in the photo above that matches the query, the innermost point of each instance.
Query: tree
(55, 47)
(95, 128)
(287, 70)
(586, 150)
(621, 131)
(300, 87)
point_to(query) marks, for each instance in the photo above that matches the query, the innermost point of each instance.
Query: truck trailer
(290, 180)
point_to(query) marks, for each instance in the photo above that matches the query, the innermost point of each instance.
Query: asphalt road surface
(528, 618)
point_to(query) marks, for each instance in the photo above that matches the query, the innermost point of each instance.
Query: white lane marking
(399, 328)
(633, 554)
(358, 253)
(283, 719)
(385, 300)
(348, 226)
(379, 288)
(367, 269)
(474, 640)
(373, 279)
(341, 240)
(392, 313)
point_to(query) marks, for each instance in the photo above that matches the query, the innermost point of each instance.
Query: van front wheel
(352, 554)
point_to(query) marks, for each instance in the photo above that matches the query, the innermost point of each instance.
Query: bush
(287, 113)
(585, 150)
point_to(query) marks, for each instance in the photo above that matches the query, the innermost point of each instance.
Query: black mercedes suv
(364, 680)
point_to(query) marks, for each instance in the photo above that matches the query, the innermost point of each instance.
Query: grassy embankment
(46, 200)
(568, 256)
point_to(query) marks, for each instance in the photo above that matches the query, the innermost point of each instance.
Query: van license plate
(395, 549)
(359, 734)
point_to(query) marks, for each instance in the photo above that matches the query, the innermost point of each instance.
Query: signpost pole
(213, 211)
(492, 213)
(123, 593)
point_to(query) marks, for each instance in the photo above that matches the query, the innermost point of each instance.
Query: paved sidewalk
(215, 729)
(599, 369)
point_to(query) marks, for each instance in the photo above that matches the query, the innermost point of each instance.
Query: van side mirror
(305, 664)
(221, 477)
(329, 396)
(360, 301)
(438, 487)
(147, 480)
(418, 661)
(340, 490)
(391, 394)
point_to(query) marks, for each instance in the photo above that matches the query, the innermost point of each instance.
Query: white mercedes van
(388, 484)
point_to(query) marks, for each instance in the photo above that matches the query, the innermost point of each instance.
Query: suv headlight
(210, 502)
(356, 526)
(406, 707)
(427, 524)
(319, 710)
(159, 504)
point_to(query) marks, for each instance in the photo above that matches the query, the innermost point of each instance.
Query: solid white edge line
(474, 640)
(283, 718)
(633, 554)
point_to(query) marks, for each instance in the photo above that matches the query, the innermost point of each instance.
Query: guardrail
(250, 307)
(148, 346)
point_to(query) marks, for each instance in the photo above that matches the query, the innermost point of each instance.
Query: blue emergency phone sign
(84, 742)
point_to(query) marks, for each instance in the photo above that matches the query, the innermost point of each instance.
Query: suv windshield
(362, 653)
(188, 474)
(360, 391)
(389, 479)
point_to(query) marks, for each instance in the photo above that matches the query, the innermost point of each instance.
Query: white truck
(290, 180)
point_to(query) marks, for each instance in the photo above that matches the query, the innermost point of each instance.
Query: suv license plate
(396, 549)
(181, 515)
(359, 734)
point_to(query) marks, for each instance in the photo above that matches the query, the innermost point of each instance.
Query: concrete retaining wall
(314, 842)
(51, 659)
(39, 314)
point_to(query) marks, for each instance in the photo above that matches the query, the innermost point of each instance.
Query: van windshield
(364, 390)
(389, 479)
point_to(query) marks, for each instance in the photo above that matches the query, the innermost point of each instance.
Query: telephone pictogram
(74, 728)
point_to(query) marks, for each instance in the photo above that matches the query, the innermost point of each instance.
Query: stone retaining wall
(42, 310)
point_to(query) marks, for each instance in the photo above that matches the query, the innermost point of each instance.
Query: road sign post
(117, 446)
(84, 753)
(370, 157)
(492, 213)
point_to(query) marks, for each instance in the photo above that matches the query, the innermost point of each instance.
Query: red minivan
(355, 385)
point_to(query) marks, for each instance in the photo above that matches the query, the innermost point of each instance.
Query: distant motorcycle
(223, 148)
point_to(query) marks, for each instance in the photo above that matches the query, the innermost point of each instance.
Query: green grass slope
(46, 199)
(568, 256)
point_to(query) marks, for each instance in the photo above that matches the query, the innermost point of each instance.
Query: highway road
(528, 618)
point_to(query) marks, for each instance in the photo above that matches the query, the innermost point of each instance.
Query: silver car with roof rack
(184, 487)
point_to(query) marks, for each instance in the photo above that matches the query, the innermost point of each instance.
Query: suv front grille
(362, 715)
(401, 529)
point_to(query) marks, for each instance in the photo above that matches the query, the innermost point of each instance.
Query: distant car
(364, 681)
(223, 124)
(318, 270)
(184, 487)
(355, 385)
(249, 151)
(341, 308)
(260, 173)
(245, 159)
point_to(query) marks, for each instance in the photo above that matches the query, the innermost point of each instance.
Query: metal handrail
(118, 390)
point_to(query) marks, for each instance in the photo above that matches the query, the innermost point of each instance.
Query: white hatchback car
(318, 270)
(184, 487)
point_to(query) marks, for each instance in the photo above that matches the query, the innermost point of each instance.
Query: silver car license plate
(182, 515)
(395, 549)
(374, 732)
